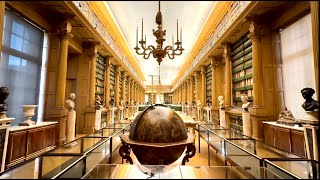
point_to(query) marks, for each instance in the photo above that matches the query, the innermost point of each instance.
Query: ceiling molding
(216, 15)
(99, 7)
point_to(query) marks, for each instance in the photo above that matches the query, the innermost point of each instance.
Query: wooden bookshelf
(194, 92)
(120, 87)
(100, 76)
(208, 74)
(126, 92)
(236, 122)
(241, 55)
(167, 98)
(112, 82)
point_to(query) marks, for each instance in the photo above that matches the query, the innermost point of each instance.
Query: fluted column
(2, 12)
(254, 35)
(117, 87)
(203, 85)
(129, 90)
(213, 82)
(134, 91)
(65, 35)
(197, 85)
(92, 54)
(227, 75)
(190, 90)
(315, 43)
(123, 93)
(107, 75)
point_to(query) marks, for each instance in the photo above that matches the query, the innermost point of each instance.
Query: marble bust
(70, 101)
(221, 101)
(245, 102)
(98, 103)
(310, 104)
(4, 93)
(121, 103)
(198, 104)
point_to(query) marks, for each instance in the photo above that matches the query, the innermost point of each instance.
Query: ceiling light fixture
(158, 52)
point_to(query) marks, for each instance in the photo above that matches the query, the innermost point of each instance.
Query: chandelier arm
(179, 52)
(167, 48)
(140, 53)
(170, 57)
(152, 47)
(148, 54)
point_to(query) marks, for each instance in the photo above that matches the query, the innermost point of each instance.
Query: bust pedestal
(222, 117)
(97, 124)
(71, 121)
(246, 120)
(121, 108)
(6, 121)
(199, 114)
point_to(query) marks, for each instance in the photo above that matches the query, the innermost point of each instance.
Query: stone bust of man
(198, 104)
(221, 101)
(70, 101)
(310, 104)
(245, 102)
(4, 93)
(98, 102)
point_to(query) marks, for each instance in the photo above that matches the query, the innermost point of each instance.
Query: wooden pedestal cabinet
(28, 143)
(285, 139)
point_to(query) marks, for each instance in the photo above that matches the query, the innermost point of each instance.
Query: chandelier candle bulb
(177, 32)
(142, 31)
(145, 38)
(172, 42)
(181, 36)
(137, 37)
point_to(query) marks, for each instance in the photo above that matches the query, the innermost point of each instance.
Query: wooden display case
(241, 55)
(100, 77)
(285, 138)
(27, 142)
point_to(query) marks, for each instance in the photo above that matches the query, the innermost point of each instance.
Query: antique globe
(161, 128)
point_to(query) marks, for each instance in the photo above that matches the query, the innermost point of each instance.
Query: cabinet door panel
(51, 135)
(16, 150)
(268, 135)
(297, 143)
(282, 139)
(36, 140)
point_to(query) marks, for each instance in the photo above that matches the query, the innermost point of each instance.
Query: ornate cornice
(220, 28)
(96, 23)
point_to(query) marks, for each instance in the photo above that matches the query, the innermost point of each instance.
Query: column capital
(66, 34)
(226, 49)
(214, 60)
(118, 68)
(255, 30)
(64, 27)
(91, 48)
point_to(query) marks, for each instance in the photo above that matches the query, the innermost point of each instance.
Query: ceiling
(191, 15)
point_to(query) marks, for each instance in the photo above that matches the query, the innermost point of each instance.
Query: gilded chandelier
(158, 52)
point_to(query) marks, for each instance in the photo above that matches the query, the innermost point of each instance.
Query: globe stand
(161, 152)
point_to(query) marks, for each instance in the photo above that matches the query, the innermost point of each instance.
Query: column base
(90, 117)
(59, 114)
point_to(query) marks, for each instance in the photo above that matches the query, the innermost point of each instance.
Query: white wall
(298, 65)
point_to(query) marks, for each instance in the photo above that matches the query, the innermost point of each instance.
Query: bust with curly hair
(310, 104)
